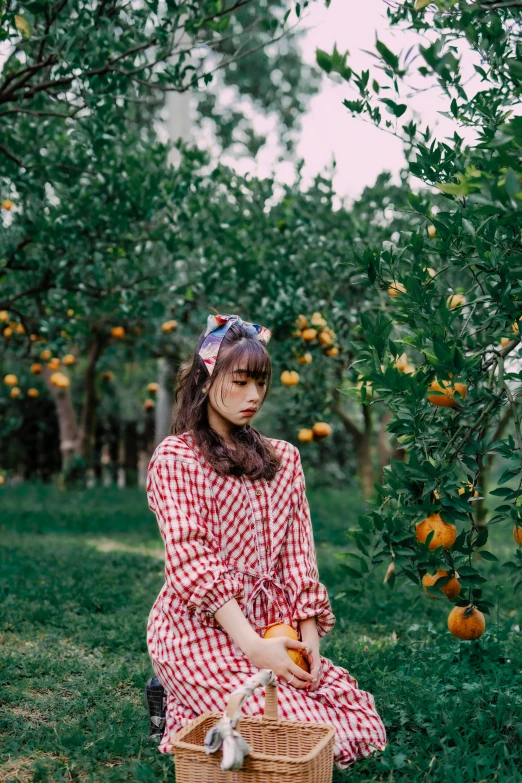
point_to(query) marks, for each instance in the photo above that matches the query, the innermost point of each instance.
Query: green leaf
(323, 60)
(420, 4)
(389, 58)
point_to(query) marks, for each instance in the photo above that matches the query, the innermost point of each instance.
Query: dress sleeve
(194, 570)
(309, 598)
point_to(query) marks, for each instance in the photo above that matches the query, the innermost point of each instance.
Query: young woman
(240, 555)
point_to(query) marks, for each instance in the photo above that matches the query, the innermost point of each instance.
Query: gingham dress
(228, 537)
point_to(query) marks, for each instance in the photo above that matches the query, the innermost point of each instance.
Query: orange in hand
(282, 629)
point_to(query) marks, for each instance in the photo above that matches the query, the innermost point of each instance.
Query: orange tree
(94, 249)
(460, 319)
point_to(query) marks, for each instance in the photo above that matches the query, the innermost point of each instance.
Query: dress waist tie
(263, 585)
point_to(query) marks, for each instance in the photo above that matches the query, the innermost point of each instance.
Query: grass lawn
(79, 574)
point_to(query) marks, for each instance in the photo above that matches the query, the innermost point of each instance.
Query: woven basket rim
(178, 743)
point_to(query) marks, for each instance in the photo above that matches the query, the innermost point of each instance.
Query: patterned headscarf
(217, 327)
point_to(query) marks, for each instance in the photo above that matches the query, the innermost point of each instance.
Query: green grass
(79, 575)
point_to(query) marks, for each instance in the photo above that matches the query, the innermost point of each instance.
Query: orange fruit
(107, 376)
(7, 204)
(445, 534)
(402, 363)
(309, 334)
(466, 622)
(325, 338)
(456, 300)
(4, 316)
(36, 368)
(306, 358)
(69, 359)
(282, 629)
(451, 589)
(153, 388)
(504, 341)
(118, 332)
(517, 535)
(432, 231)
(20, 329)
(514, 325)
(10, 379)
(470, 487)
(54, 364)
(446, 400)
(168, 326)
(289, 378)
(33, 393)
(15, 392)
(318, 320)
(321, 430)
(396, 288)
(148, 405)
(45, 354)
(60, 380)
(305, 436)
(7, 332)
(2, 480)
(333, 351)
(301, 322)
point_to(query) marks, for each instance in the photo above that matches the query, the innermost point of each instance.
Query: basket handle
(265, 677)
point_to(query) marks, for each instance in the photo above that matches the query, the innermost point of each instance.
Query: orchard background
(396, 321)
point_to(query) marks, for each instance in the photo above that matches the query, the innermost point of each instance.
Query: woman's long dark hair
(254, 456)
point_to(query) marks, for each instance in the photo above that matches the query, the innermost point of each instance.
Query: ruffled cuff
(313, 601)
(206, 600)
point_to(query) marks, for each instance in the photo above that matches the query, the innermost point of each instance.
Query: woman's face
(236, 397)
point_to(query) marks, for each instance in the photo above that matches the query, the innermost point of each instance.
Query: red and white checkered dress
(228, 537)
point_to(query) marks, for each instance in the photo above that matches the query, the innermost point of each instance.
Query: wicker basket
(283, 751)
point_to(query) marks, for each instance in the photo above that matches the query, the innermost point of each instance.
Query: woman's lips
(248, 413)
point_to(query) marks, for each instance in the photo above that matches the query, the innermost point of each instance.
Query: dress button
(258, 492)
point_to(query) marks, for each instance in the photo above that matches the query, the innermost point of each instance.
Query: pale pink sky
(360, 149)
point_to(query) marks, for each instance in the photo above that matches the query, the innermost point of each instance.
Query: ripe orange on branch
(282, 629)
(10, 380)
(333, 351)
(456, 300)
(444, 533)
(168, 326)
(517, 535)
(321, 430)
(69, 359)
(325, 338)
(107, 375)
(309, 334)
(305, 435)
(54, 364)
(118, 332)
(33, 393)
(306, 358)
(152, 388)
(15, 392)
(451, 589)
(60, 380)
(289, 378)
(446, 399)
(45, 355)
(4, 316)
(148, 405)
(301, 322)
(466, 622)
(396, 288)
(36, 368)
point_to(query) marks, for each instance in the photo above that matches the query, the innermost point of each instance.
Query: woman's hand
(272, 654)
(314, 659)
(309, 635)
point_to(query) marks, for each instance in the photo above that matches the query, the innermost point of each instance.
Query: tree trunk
(91, 397)
(386, 452)
(130, 445)
(362, 441)
(70, 442)
(113, 441)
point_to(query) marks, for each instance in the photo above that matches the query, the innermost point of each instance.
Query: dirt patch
(110, 545)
